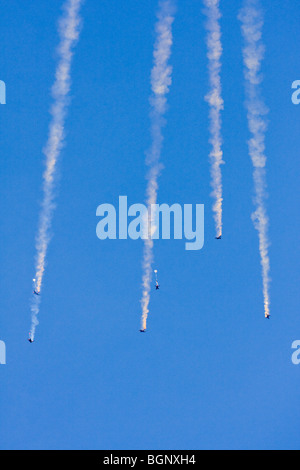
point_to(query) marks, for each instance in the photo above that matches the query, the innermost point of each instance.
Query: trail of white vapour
(251, 18)
(161, 81)
(69, 29)
(216, 103)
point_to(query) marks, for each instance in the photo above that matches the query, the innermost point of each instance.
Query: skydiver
(268, 316)
(36, 292)
(219, 238)
(31, 340)
(142, 331)
(157, 286)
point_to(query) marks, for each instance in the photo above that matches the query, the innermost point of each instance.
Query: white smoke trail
(216, 103)
(252, 22)
(161, 81)
(69, 29)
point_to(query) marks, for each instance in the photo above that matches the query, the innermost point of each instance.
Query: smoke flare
(251, 18)
(161, 80)
(216, 104)
(69, 30)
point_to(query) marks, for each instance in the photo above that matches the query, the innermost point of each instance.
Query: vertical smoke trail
(216, 104)
(69, 28)
(160, 81)
(252, 22)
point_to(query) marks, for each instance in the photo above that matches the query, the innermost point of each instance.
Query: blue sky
(210, 373)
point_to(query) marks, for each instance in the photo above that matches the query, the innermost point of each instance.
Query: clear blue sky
(210, 372)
